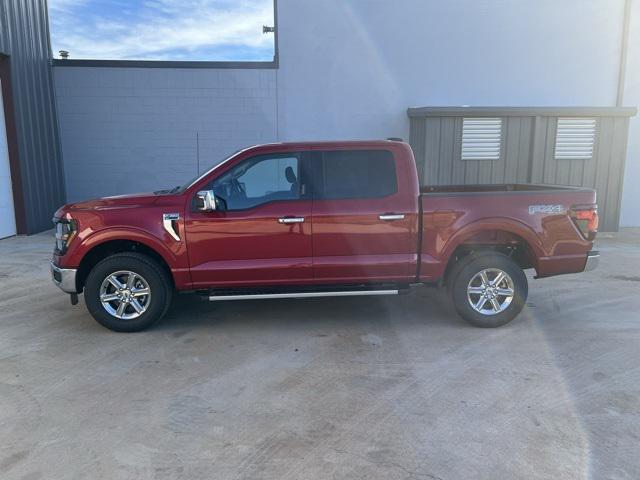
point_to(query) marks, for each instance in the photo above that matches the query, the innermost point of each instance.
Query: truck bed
(498, 188)
(533, 214)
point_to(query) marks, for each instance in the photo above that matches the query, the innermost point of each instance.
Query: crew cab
(320, 219)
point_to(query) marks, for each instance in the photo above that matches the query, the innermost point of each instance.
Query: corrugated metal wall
(24, 37)
(527, 151)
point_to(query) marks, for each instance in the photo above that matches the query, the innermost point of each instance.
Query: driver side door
(261, 235)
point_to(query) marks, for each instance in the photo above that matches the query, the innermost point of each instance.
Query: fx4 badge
(546, 209)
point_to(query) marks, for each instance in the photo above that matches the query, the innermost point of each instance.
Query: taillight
(586, 219)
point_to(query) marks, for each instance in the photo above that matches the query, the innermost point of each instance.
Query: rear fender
(514, 227)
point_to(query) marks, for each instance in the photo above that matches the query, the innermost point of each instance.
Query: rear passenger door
(362, 222)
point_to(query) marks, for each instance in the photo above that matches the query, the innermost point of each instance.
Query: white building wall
(630, 214)
(350, 68)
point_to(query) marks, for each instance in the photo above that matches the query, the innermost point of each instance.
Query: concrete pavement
(388, 387)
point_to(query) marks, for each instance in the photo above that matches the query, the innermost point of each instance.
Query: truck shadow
(423, 305)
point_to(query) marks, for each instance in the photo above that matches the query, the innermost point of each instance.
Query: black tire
(159, 284)
(468, 269)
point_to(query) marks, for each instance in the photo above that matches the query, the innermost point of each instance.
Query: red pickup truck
(319, 219)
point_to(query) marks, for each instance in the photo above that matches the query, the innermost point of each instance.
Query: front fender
(174, 253)
(130, 234)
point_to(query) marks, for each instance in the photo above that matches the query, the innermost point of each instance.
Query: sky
(208, 30)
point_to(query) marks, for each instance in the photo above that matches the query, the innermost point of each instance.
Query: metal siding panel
(524, 154)
(445, 165)
(576, 171)
(538, 148)
(549, 163)
(28, 128)
(432, 151)
(621, 144)
(40, 82)
(563, 170)
(484, 171)
(469, 111)
(417, 142)
(457, 173)
(590, 166)
(611, 217)
(499, 166)
(603, 157)
(528, 155)
(24, 37)
(512, 148)
(470, 172)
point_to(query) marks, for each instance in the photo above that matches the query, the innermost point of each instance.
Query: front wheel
(127, 292)
(489, 290)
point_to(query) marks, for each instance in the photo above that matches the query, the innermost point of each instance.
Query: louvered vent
(481, 138)
(575, 138)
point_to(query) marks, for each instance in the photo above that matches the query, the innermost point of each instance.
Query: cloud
(160, 29)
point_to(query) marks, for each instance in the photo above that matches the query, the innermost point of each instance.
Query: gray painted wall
(24, 36)
(527, 152)
(127, 130)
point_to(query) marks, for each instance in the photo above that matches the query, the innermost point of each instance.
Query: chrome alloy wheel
(490, 291)
(125, 295)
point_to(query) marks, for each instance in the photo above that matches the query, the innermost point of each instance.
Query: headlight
(66, 229)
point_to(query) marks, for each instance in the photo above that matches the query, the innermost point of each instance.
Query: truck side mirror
(206, 201)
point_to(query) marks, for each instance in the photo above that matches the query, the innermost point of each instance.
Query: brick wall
(128, 130)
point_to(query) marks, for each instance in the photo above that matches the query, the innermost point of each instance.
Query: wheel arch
(103, 248)
(510, 237)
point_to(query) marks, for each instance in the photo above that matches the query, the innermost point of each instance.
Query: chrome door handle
(291, 220)
(388, 217)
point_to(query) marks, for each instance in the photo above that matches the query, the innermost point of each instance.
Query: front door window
(259, 180)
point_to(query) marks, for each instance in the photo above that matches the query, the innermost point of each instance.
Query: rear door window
(350, 174)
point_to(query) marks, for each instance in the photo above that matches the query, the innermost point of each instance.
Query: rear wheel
(488, 290)
(127, 292)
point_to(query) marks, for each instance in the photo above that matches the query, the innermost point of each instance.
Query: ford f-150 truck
(320, 219)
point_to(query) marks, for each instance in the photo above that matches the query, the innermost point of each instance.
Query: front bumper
(64, 278)
(593, 259)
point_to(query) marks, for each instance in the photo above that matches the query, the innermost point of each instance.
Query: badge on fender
(546, 209)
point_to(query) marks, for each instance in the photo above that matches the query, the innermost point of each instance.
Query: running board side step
(339, 293)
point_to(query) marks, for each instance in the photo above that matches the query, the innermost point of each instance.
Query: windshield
(183, 187)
